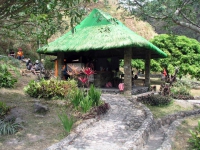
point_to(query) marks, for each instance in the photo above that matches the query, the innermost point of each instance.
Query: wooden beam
(60, 58)
(147, 68)
(127, 71)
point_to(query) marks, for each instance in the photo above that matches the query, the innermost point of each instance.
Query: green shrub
(77, 98)
(9, 127)
(48, 63)
(67, 122)
(50, 88)
(86, 104)
(155, 100)
(180, 88)
(94, 95)
(10, 61)
(195, 139)
(3, 109)
(6, 78)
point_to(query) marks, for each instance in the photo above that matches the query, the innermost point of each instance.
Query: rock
(39, 108)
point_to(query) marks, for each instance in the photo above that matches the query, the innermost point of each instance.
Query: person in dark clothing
(29, 64)
(64, 71)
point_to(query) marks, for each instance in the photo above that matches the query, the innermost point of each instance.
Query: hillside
(140, 27)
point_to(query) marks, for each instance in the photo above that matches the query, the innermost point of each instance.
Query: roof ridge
(107, 16)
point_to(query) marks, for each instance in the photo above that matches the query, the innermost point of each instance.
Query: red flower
(83, 79)
(88, 71)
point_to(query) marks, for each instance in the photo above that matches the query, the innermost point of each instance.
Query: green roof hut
(100, 35)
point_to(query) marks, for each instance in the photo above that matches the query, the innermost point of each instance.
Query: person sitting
(11, 53)
(36, 67)
(29, 64)
(64, 71)
(20, 54)
(117, 79)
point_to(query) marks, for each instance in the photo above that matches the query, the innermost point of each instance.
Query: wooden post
(147, 68)
(127, 71)
(60, 59)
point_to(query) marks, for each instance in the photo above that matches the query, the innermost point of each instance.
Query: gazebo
(100, 35)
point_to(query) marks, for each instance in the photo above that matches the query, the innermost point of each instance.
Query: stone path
(111, 132)
(126, 126)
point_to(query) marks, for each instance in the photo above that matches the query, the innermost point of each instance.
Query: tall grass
(67, 122)
(94, 95)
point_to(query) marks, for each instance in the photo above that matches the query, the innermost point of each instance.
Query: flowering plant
(88, 72)
(74, 72)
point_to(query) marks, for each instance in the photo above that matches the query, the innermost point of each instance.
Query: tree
(25, 19)
(182, 52)
(180, 12)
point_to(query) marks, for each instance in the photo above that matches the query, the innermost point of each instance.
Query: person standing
(20, 54)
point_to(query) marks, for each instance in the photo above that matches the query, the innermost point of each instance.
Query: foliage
(38, 19)
(11, 61)
(77, 98)
(183, 13)
(48, 63)
(94, 95)
(6, 78)
(3, 109)
(9, 127)
(180, 88)
(195, 139)
(135, 63)
(86, 101)
(67, 122)
(102, 109)
(182, 52)
(86, 104)
(165, 89)
(155, 100)
(50, 88)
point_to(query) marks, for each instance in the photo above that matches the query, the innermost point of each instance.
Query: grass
(174, 107)
(180, 141)
(43, 131)
(40, 131)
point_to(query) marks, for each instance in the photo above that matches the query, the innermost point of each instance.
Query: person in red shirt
(20, 54)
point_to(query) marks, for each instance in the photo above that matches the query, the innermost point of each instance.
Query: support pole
(60, 59)
(127, 71)
(147, 68)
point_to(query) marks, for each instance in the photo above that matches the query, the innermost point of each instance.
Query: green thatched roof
(100, 31)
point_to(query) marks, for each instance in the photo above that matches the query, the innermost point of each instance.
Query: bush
(155, 100)
(6, 78)
(48, 63)
(50, 88)
(9, 127)
(195, 139)
(181, 90)
(3, 109)
(94, 95)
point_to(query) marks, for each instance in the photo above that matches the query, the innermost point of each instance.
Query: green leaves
(67, 122)
(195, 139)
(38, 20)
(182, 52)
(50, 89)
(7, 80)
(172, 12)
(7, 128)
